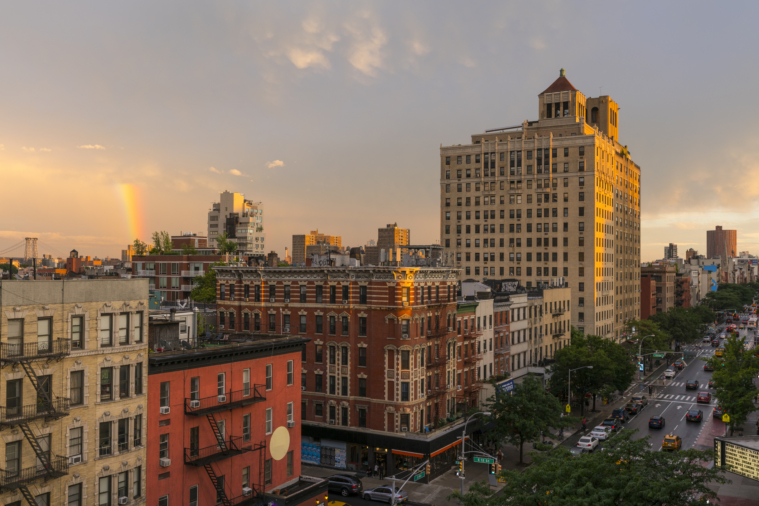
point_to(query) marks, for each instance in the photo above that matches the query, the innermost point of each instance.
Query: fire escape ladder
(217, 433)
(219, 489)
(42, 395)
(28, 495)
(43, 456)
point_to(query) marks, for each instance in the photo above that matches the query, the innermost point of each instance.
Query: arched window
(594, 115)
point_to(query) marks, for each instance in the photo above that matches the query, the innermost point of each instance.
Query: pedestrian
(376, 469)
(650, 390)
(499, 456)
(584, 424)
(382, 472)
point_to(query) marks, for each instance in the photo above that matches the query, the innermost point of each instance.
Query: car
(719, 352)
(656, 422)
(612, 423)
(576, 452)
(723, 336)
(691, 385)
(669, 373)
(672, 442)
(704, 397)
(633, 407)
(621, 414)
(711, 383)
(718, 412)
(588, 442)
(641, 399)
(679, 364)
(601, 432)
(708, 367)
(345, 484)
(385, 494)
(715, 343)
(706, 339)
(694, 415)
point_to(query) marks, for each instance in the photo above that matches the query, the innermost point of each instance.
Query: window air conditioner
(75, 459)
(271, 299)
(404, 429)
(302, 389)
(165, 462)
(458, 387)
(287, 301)
(165, 410)
(286, 328)
(429, 392)
(345, 301)
(246, 491)
(404, 336)
(332, 422)
(291, 424)
(194, 404)
(123, 500)
(222, 398)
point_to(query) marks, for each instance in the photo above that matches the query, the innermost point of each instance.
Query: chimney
(172, 314)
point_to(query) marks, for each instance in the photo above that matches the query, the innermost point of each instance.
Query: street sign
(483, 460)
(658, 355)
(726, 418)
(568, 409)
(419, 476)
(506, 386)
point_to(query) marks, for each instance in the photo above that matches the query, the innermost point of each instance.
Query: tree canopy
(731, 296)
(162, 244)
(140, 248)
(626, 472)
(225, 245)
(523, 415)
(204, 287)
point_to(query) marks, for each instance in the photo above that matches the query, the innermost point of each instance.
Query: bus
(751, 325)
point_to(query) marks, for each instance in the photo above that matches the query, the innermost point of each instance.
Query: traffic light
(493, 469)
(498, 468)
(428, 469)
(460, 472)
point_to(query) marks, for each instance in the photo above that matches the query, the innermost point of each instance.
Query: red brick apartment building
(647, 296)
(386, 375)
(224, 426)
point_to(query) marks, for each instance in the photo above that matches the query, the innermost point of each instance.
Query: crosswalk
(681, 384)
(676, 397)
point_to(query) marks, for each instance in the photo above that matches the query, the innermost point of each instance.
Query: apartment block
(555, 197)
(241, 219)
(171, 277)
(301, 242)
(74, 362)
(392, 362)
(647, 295)
(664, 276)
(389, 240)
(225, 426)
(721, 243)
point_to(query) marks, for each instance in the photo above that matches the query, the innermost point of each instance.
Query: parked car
(612, 423)
(621, 414)
(711, 383)
(718, 412)
(656, 422)
(671, 442)
(641, 399)
(385, 494)
(576, 452)
(588, 442)
(345, 484)
(601, 432)
(704, 397)
(691, 385)
(694, 415)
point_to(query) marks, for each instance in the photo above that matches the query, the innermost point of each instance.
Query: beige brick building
(300, 242)
(73, 356)
(554, 197)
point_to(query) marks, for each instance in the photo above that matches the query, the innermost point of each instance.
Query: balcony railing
(475, 357)
(557, 336)
(436, 391)
(557, 312)
(43, 350)
(192, 274)
(12, 416)
(436, 361)
(146, 273)
(186, 288)
(213, 453)
(438, 332)
(472, 387)
(228, 400)
(59, 466)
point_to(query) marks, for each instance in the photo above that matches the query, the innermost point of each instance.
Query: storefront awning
(455, 443)
(408, 454)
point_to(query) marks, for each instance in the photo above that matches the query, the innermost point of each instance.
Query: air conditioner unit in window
(247, 491)
(286, 328)
(164, 462)
(345, 301)
(75, 459)
(404, 429)
(222, 398)
(450, 329)
(271, 299)
(123, 500)
(405, 304)
(332, 422)
(165, 410)
(194, 404)
(458, 387)
(291, 424)
(287, 301)
(429, 392)
(303, 389)
(404, 336)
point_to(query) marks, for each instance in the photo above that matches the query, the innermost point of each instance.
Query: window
(319, 324)
(137, 431)
(15, 337)
(332, 325)
(344, 416)
(289, 372)
(319, 354)
(332, 385)
(362, 357)
(106, 384)
(246, 427)
(77, 332)
(362, 294)
(163, 446)
(319, 294)
(122, 434)
(75, 441)
(269, 382)
(303, 293)
(163, 501)
(405, 359)
(13, 458)
(246, 477)
(104, 492)
(193, 495)
(106, 338)
(345, 325)
(104, 439)
(319, 385)
(362, 325)
(404, 391)
(344, 355)
(362, 387)
(289, 463)
(268, 420)
(44, 335)
(124, 381)
(123, 329)
(332, 355)
(76, 387)
(290, 412)
(165, 394)
(75, 495)
(267, 472)
(245, 382)
(137, 482)
(302, 328)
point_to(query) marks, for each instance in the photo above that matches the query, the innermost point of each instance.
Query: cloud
(275, 163)
(365, 53)
(235, 172)
(304, 59)
(47, 150)
(91, 146)
(537, 43)
(28, 150)
(214, 170)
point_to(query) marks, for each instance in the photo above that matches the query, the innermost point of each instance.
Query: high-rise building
(721, 243)
(690, 253)
(670, 252)
(664, 277)
(554, 197)
(300, 242)
(75, 397)
(241, 219)
(389, 239)
(126, 254)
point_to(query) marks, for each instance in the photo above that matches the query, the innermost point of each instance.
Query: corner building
(554, 197)
(392, 364)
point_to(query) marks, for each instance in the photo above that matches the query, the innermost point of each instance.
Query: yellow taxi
(671, 442)
(719, 352)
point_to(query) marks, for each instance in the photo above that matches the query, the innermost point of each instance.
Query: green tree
(680, 323)
(204, 287)
(226, 245)
(661, 339)
(140, 248)
(521, 417)
(14, 269)
(627, 472)
(162, 244)
(733, 381)
(189, 249)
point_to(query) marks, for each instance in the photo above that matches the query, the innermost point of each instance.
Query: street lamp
(569, 383)
(640, 350)
(463, 436)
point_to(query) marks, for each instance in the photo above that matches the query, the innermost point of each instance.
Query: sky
(118, 119)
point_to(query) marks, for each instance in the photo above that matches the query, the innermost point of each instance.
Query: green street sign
(483, 460)
(457, 462)
(419, 476)
(658, 355)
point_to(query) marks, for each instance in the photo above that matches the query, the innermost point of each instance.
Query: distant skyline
(117, 123)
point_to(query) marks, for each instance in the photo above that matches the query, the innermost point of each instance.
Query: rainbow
(130, 198)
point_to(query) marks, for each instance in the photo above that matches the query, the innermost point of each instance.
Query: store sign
(741, 460)
(506, 386)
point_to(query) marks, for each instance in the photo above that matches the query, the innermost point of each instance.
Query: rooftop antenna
(599, 90)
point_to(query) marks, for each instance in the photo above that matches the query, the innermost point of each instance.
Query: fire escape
(226, 447)
(47, 406)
